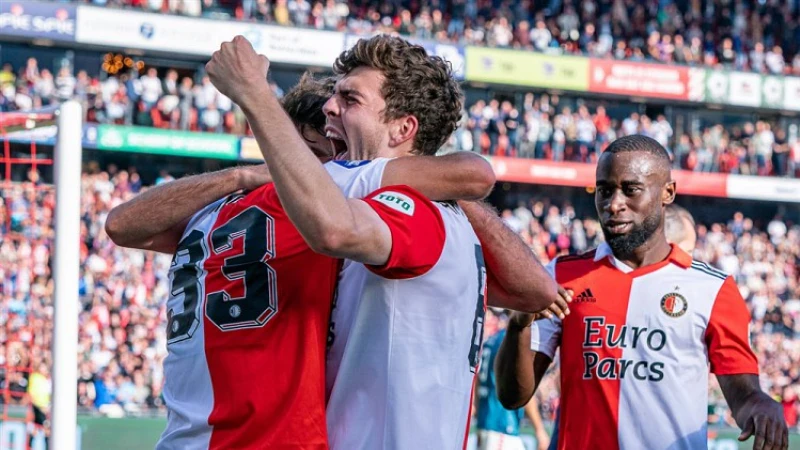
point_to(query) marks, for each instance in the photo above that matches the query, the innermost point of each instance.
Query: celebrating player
(409, 322)
(246, 334)
(645, 324)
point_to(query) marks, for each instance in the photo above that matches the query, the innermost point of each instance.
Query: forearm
(514, 368)
(739, 390)
(138, 222)
(313, 202)
(457, 176)
(525, 284)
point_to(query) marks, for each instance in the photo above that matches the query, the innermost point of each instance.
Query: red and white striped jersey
(407, 335)
(247, 325)
(636, 349)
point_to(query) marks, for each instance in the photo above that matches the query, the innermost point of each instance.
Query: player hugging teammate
(259, 256)
(255, 265)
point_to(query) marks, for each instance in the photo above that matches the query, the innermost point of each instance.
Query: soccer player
(679, 229)
(644, 326)
(408, 320)
(246, 332)
(498, 427)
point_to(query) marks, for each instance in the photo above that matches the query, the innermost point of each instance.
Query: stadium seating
(744, 35)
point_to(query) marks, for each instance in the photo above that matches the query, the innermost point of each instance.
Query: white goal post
(66, 261)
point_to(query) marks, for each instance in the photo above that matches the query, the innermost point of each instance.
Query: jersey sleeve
(727, 335)
(357, 179)
(546, 333)
(417, 228)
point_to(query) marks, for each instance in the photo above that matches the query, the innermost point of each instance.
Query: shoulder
(703, 270)
(574, 265)
(357, 178)
(582, 258)
(404, 200)
(346, 164)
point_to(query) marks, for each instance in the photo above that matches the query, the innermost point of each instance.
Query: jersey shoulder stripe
(708, 270)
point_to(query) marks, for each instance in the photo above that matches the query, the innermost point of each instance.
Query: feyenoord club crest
(674, 304)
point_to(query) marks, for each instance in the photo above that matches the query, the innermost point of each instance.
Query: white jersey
(406, 336)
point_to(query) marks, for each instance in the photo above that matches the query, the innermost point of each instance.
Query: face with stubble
(632, 190)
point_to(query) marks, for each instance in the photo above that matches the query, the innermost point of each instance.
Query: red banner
(535, 171)
(638, 79)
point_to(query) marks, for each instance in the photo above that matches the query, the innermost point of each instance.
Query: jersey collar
(676, 256)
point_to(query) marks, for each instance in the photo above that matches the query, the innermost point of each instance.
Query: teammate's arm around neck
(517, 280)
(457, 176)
(156, 219)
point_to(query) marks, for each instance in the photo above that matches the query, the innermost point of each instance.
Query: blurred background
(548, 83)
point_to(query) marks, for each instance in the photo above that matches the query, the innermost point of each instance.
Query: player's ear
(668, 193)
(402, 130)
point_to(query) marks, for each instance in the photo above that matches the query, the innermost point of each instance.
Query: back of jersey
(246, 366)
(247, 326)
(492, 415)
(405, 361)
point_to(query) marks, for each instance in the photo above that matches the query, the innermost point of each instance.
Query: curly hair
(303, 103)
(415, 83)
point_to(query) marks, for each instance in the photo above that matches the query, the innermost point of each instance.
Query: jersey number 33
(246, 297)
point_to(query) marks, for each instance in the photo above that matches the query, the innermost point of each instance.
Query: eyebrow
(349, 92)
(624, 183)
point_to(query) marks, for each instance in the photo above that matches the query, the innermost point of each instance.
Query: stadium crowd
(122, 340)
(546, 127)
(543, 126)
(745, 34)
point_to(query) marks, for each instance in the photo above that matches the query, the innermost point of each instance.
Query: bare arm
(516, 278)
(330, 223)
(518, 369)
(754, 411)
(464, 176)
(156, 219)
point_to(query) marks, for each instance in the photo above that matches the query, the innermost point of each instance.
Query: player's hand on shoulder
(236, 67)
(253, 176)
(560, 307)
(767, 423)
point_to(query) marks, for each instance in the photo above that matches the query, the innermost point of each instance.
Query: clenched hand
(235, 69)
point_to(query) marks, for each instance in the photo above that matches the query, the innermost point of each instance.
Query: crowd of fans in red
(122, 340)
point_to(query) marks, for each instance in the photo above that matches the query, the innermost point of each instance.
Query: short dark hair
(415, 84)
(303, 103)
(639, 143)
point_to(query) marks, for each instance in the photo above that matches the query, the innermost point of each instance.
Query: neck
(388, 152)
(655, 250)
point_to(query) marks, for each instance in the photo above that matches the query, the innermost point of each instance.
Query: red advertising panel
(536, 171)
(638, 79)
